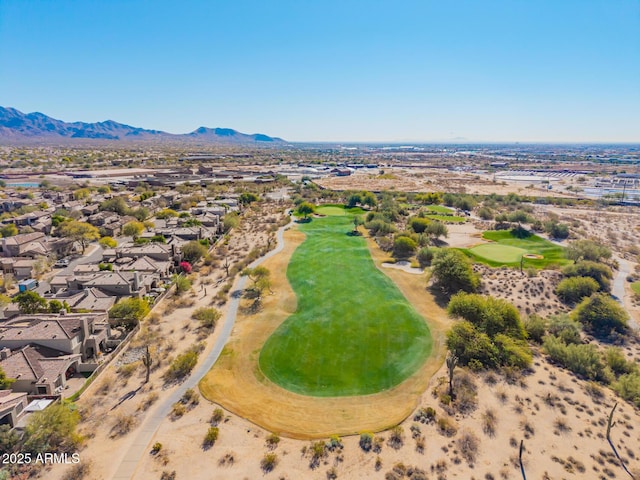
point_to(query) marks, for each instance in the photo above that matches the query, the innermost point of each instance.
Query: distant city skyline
(345, 71)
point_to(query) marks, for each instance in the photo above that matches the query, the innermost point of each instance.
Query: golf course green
(507, 249)
(353, 332)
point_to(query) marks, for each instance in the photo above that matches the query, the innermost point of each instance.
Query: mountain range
(19, 127)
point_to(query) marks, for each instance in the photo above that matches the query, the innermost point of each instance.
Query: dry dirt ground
(430, 180)
(562, 425)
(237, 383)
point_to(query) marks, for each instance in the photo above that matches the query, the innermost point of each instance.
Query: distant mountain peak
(19, 127)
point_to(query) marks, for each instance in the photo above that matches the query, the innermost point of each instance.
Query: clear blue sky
(510, 70)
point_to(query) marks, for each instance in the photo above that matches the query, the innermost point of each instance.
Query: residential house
(84, 334)
(24, 245)
(38, 370)
(12, 404)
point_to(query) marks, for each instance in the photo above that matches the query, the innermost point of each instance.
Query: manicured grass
(439, 209)
(508, 249)
(331, 211)
(635, 286)
(447, 218)
(353, 332)
(498, 252)
(338, 210)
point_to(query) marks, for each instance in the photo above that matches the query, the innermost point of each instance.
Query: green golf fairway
(498, 253)
(353, 333)
(635, 286)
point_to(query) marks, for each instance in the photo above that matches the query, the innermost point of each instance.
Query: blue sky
(512, 70)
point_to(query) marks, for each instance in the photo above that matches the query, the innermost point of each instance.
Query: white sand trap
(403, 265)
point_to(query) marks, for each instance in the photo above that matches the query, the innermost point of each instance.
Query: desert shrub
(470, 344)
(127, 370)
(597, 271)
(166, 475)
(491, 315)
(404, 247)
(418, 224)
(182, 365)
(178, 409)
(79, 471)
(147, 402)
(216, 417)
(425, 415)
(587, 250)
(573, 289)
(581, 359)
(468, 444)
(602, 315)
(208, 317)
(156, 448)
(628, 387)
(211, 437)
(366, 441)
(563, 327)
(452, 272)
(424, 256)
(268, 462)
(513, 352)
(396, 437)
(190, 397)
(536, 328)
(489, 422)
(122, 425)
(447, 426)
(272, 440)
(617, 362)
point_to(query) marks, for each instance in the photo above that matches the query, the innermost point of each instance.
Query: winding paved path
(140, 445)
(617, 289)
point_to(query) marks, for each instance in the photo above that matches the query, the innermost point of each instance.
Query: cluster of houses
(46, 352)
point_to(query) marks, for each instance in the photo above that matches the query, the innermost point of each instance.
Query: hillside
(18, 127)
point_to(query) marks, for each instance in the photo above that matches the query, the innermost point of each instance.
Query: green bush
(602, 315)
(628, 387)
(513, 352)
(598, 271)
(452, 272)
(584, 359)
(470, 344)
(563, 327)
(491, 315)
(208, 317)
(536, 328)
(587, 250)
(404, 247)
(574, 289)
(424, 257)
(617, 361)
(211, 437)
(182, 365)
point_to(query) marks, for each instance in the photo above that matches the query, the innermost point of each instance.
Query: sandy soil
(562, 426)
(430, 180)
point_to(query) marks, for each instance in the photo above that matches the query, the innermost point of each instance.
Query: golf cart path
(139, 447)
